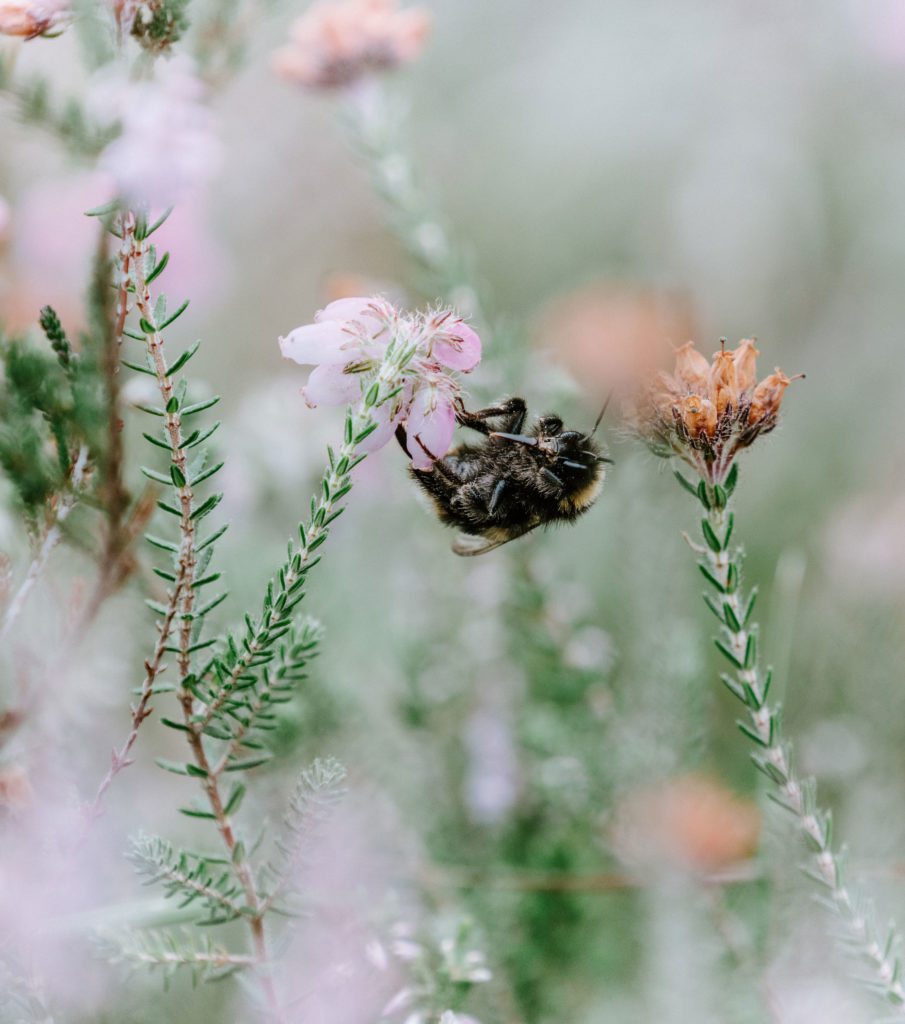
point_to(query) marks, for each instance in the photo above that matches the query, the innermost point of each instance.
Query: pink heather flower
(336, 42)
(167, 146)
(346, 345)
(30, 18)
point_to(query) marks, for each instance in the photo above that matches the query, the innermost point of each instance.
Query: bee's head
(569, 453)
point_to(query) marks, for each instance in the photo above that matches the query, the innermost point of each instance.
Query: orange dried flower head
(336, 42)
(705, 413)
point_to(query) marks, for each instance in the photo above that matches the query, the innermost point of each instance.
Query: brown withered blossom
(705, 413)
(29, 19)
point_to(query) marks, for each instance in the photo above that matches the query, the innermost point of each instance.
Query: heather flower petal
(460, 349)
(317, 343)
(329, 384)
(430, 427)
(345, 309)
(387, 418)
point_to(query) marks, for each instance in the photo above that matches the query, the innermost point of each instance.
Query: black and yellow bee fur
(510, 483)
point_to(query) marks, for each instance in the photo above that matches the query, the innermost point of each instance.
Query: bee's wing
(468, 545)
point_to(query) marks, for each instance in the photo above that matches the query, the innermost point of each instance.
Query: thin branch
(65, 504)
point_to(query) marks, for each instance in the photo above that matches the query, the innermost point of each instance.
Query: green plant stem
(180, 597)
(183, 595)
(326, 507)
(374, 126)
(721, 565)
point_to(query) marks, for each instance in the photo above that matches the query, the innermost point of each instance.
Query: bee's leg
(549, 475)
(447, 472)
(400, 437)
(509, 417)
(495, 497)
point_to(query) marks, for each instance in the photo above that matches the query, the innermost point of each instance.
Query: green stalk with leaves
(705, 415)
(720, 562)
(227, 690)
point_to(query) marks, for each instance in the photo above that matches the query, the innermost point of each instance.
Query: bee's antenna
(602, 414)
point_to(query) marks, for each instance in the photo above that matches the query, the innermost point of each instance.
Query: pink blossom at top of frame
(30, 18)
(337, 41)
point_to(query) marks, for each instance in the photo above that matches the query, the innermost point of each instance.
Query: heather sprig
(706, 415)
(876, 946)
(228, 690)
(60, 442)
(375, 122)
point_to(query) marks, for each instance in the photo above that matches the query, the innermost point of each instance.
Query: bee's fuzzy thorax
(510, 482)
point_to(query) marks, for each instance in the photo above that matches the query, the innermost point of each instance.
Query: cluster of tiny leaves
(318, 790)
(158, 24)
(720, 564)
(189, 877)
(169, 951)
(239, 711)
(51, 405)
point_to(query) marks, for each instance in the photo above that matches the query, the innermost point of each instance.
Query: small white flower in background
(449, 1017)
(30, 18)
(167, 147)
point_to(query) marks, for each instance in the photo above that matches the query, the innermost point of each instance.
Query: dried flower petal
(745, 359)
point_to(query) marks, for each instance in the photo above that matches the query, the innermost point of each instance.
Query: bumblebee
(511, 483)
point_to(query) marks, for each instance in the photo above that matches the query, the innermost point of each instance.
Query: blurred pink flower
(30, 18)
(52, 245)
(346, 345)
(167, 147)
(338, 41)
(47, 879)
